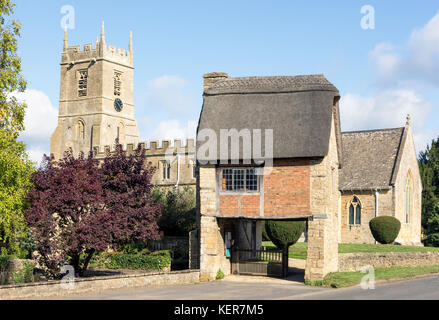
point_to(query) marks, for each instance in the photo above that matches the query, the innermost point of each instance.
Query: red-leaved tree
(79, 207)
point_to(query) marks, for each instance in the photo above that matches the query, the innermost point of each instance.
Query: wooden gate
(264, 262)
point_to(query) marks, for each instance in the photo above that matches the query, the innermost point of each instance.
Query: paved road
(248, 288)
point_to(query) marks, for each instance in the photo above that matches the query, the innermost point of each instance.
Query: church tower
(96, 98)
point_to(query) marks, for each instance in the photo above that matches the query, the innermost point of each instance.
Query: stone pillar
(322, 256)
(323, 230)
(208, 248)
(212, 246)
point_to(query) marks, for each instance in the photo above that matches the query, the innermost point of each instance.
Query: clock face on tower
(118, 105)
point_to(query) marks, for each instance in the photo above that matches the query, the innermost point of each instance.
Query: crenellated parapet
(74, 54)
(163, 148)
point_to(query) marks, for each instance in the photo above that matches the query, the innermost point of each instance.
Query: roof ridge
(317, 75)
(271, 84)
(372, 130)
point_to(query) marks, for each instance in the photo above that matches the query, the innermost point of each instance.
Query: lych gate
(299, 183)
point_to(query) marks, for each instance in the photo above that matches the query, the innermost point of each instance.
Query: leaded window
(355, 212)
(239, 180)
(166, 166)
(408, 199)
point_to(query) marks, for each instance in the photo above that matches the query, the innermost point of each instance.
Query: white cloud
(172, 129)
(387, 109)
(36, 153)
(418, 58)
(386, 59)
(169, 93)
(40, 121)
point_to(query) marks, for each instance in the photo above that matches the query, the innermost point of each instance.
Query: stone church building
(335, 181)
(96, 106)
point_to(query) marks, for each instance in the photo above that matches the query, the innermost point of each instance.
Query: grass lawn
(346, 279)
(299, 250)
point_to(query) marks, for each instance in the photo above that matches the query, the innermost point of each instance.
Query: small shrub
(157, 260)
(385, 229)
(219, 274)
(5, 262)
(284, 234)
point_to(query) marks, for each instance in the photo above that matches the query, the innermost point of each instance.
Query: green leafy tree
(15, 167)
(11, 80)
(16, 171)
(178, 211)
(429, 170)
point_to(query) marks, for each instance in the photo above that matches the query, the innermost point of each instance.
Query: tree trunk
(87, 261)
(75, 263)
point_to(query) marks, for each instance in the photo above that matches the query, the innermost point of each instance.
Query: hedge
(8, 276)
(157, 260)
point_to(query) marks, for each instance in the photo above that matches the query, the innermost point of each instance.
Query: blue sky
(382, 73)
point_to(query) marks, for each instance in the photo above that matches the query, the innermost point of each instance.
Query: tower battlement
(73, 54)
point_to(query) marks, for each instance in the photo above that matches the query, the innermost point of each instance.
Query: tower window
(117, 83)
(82, 83)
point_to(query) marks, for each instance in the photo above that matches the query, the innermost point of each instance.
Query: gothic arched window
(408, 199)
(81, 130)
(355, 211)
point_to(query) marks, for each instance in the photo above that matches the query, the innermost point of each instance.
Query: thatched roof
(299, 109)
(370, 158)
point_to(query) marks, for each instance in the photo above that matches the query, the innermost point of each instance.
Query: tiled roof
(369, 158)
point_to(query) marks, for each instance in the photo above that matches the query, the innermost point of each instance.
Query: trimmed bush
(385, 229)
(284, 234)
(264, 233)
(157, 260)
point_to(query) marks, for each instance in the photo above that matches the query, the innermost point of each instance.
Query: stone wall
(410, 232)
(351, 262)
(53, 289)
(361, 233)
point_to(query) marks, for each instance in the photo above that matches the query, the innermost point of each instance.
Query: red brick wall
(286, 192)
(228, 205)
(250, 205)
(287, 188)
